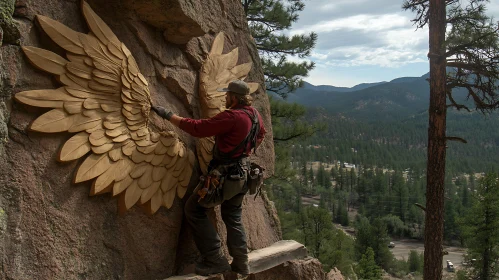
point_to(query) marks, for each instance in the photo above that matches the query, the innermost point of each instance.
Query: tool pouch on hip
(255, 178)
(235, 180)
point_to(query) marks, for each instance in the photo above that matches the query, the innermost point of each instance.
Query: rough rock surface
(49, 227)
(335, 274)
(305, 269)
(9, 33)
(310, 269)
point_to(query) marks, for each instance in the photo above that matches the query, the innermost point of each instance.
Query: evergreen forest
(350, 176)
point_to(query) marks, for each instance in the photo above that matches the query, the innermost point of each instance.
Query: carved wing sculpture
(105, 100)
(217, 71)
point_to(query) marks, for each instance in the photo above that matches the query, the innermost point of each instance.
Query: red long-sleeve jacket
(229, 127)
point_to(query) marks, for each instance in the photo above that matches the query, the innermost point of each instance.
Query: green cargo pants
(230, 197)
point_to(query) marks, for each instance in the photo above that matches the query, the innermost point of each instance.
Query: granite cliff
(51, 228)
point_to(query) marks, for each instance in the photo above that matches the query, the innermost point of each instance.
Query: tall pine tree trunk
(434, 223)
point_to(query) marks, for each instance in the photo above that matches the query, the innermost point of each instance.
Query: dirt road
(403, 247)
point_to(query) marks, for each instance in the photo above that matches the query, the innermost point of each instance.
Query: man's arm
(169, 115)
(219, 124)
(175, 120)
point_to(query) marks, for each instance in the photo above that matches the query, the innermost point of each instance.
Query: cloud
(323, 10)
(493, 10)
(318, 56)
(358, 34)
(362, 32)
(339, 38)
(366, 23)
(382, 57)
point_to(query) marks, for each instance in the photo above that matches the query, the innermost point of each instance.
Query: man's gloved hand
(162, 112)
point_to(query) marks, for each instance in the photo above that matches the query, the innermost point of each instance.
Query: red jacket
(229, 127)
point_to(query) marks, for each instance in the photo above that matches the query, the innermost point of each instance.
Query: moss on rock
(9, 33)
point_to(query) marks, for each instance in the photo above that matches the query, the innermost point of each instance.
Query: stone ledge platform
(259, 260)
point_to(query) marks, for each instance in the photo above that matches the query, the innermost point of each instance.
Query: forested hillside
(357, 157)
(364, 168)
(386, 125)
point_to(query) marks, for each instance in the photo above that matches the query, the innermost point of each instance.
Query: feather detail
(93, 166)
(104, 101)
(46, 60)
(56, 120)
(76, 147)
(61, 34)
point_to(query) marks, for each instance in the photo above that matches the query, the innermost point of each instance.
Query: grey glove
(162, 112)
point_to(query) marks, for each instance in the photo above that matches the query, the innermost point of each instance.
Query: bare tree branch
(452, 138)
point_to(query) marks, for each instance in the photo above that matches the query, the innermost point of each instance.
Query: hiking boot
(240, 266)
(212, 266)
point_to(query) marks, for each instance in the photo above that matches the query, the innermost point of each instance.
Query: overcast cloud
(364, 41)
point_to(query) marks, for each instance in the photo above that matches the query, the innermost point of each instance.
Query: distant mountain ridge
(339, 89)
(400, 98)
(386, 123)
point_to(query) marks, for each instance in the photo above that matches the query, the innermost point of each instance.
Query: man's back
(229, 127)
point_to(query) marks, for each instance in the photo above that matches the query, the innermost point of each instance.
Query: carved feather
(76, 147)
(103, 100)
(61, 34)
(132, 194)
(56, 120)
(52, 98)
(149, 192)
(98, 26)
(156, 201)
(93, 166)
(168, 197)
(217, 71)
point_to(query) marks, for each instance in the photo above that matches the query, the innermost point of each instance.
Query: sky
(365, 41)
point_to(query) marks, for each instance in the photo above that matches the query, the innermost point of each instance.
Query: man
(237, 130)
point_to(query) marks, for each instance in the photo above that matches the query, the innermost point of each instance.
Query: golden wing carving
(106, 101)
(217, 71)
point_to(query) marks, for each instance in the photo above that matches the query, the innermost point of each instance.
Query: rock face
(9, 33)
(294, 270)
(335, 274)
(51, 228)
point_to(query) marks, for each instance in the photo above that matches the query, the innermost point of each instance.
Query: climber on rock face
(237, 131)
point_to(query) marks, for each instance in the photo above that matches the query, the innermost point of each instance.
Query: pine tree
(471, 48)
(481, 229)
(374, 236)
(267, 20)
(288, 127)
(465, 197)
(338, 252)
(302, 223)
(311, 178)
(401, 194)
(288, 122)
(319, 228)
(367, 268)
(451, 231)
(304, 175)
(362, 186)
(472, 183)
(322, 177)
(415, 261)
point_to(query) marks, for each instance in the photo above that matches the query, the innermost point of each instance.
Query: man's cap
(237, 87)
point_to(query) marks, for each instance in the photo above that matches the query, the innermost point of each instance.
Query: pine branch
(276, 139)
(453, 102)
(270, 25)
(469, 66)
(274, 49)
(246, 5)
(420, 206)
(452, 138)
